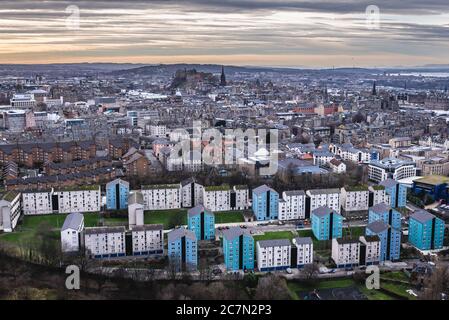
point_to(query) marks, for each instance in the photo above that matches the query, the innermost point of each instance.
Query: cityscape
(176, 160)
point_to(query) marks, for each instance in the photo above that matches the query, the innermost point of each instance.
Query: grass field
(298, 287)
(276, 235)
(228, 217)
(169, 218)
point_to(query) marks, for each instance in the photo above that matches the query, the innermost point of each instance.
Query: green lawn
(399, 289)
(276, 235)
(374, 294)
(396, 275)
(57, 220)
(169, 218)
(228, 217)
(297, 287)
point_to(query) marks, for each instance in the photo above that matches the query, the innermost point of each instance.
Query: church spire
(223, 77)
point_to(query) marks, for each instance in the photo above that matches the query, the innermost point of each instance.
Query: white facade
(354, 200)
(71, 232)
(292, 206)
(345, 252)
(136, 209)
(190, 190)
(88, 200)
(10, 209)
(241, 198)
(148, 239)
(158, 130)
(304, 251)
(105, 242)
(325, 198)
(390, 168)
(273, 254)
(217, 198)
(37, 202)
(379, 195)
(322, 158)
(337, 166)
(162, 197)
(372, 251)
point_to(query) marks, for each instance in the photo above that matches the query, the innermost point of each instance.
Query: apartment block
(323, 198)
(162, 197)
(292, 206)
(265, 203)
(79, 199)
(10, 210)
(71, 232)
(217, 198)
(238, 249)
(182, 250)
(346, 252)
(147, 240)
(202, 222)
(426, 232)
(37, 202)
(117, 194)
(326, 223)
(355, 198)
(105, 242)
(273, 254)
(303, 249)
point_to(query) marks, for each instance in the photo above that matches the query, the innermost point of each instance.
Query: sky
(290, 33)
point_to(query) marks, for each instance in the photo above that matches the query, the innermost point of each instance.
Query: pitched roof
(377, 226)
(262, 189)
(179, 233)
(381, 208)
(303, 240)
(274, 243)
(73, 221)
(422, 216)
(233, 232)
(198, 210)
(323, 211)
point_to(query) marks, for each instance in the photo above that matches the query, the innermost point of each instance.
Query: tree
(272, 287)
(310, 272)
(436, 284)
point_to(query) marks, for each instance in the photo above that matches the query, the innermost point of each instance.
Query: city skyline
(276, 33)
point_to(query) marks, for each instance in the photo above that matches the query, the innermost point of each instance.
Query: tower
(374, 89)
(223, 77)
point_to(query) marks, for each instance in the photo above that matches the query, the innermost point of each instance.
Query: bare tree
(272, 287)
(436, 284)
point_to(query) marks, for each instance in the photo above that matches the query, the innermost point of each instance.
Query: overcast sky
(312, 33)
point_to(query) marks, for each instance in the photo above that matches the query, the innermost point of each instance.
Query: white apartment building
(10, 210)
(369, 250)
(324, 198)
(37, 202)
(273, 254)
(378, 195)
(355, 198)
(346, 252)
(191, 193)
(240, 198)
(105, 242)
(24, 101)
(304, 251)
(337, 166)
(217, 198)
(322, 158)
(161, 197)
(71, 232)
(136, 208)
(148, 240)
(392, 168)
(85, 199)
(159, 131)
(292, 206)
(347, 152)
